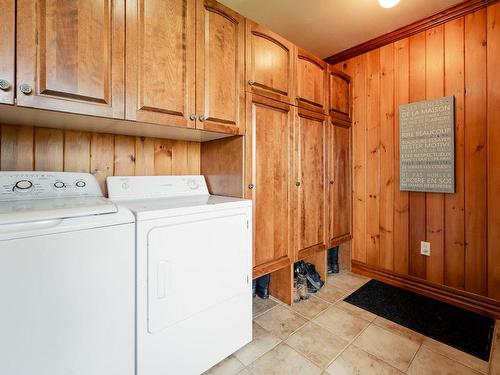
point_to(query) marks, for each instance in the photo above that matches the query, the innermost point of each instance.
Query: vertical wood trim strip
(76, 151)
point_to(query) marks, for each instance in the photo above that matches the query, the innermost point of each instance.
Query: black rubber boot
(262, 287)
(254, 287)
(335, 259)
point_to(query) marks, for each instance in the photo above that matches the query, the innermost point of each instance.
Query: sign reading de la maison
(427, 146)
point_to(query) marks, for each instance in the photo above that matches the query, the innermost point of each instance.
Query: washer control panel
(41, 185)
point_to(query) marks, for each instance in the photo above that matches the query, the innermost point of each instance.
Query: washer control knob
(59, 185)
(80, 184)
(23, 185)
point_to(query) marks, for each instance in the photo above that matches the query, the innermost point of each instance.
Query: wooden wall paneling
(401, 208)
(194, 158)
(434, 78)
(72, 55)
(49, 149)
(179, 157)
(144, 156)
(222, 164)
(220, 68)
(7, 50)
(373, 157)
(357, 67)
(386, 150)
(161, 39)
(163, 157)
(16, 151)
(454, 235)
(493, 121)
(417, 200)
(76, 151)
(124, 155)
(475, 154)
(102, 157)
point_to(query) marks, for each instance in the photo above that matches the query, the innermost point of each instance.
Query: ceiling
(326, 27)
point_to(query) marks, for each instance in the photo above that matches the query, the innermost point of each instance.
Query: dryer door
(196, 262)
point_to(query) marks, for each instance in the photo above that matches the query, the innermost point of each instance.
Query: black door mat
(462, 329)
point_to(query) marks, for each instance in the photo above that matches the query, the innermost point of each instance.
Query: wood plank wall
(460, 58)
(29, 148)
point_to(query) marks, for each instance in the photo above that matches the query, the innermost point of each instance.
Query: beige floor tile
(330, 293)
(245, 371)
(229, 366)
(280, 321)
(341, 323)
(394, 349)
(457, 355)
(311, 307)
(396, 328)
(260, 305)
(283, 360)
(316, 343)
(262, 342)
(347, 281)
(495, 351)
(356, 311)
(428, 362)
(354, 361)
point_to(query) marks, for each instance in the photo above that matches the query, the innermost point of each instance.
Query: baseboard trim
(469, 301)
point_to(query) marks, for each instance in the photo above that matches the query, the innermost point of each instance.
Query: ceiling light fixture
(388, 3)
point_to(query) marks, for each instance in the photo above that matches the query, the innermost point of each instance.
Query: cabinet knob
(192, 117)
(251, 186)
(297, 183)
(331, 182)
(251, 82)
(26, 89)
(202, 118)
(4, 85)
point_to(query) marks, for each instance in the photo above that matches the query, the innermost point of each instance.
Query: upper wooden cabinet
(7, 49)
(269, 166)
(310, 155)
(312, 82)
(340, 96)
(270, 64)
(339, 183)
(70, 56)
(161, 61)
(220, 68)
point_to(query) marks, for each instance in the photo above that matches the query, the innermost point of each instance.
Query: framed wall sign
(427, 146)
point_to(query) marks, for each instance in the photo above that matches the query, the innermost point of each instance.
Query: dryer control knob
(80, 184)
(59, 184)
(23, 185)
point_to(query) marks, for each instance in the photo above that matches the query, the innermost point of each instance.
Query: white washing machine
(66, 277)
(194, 264)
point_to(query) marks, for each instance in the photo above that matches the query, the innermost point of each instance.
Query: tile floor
(325, 335)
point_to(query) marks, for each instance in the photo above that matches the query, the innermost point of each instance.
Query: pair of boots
(306, 280)
(260, 286)
(333, 260)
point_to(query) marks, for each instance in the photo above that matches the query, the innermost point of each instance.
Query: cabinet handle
(331, 182)
(192, 117)
(202, 118)
(26, 89)
(297, 183)
(4, 85)
(251, 186)
(251, 82)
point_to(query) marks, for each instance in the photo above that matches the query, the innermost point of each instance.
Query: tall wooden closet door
(339, 183)
(70, 56)
(340, 105)
(310, 181)
(7, 51)
(270, 64)
(161, 61)
(269, 157)
(312, 82)
(220, 68)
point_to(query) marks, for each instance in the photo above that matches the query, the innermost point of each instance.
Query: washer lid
(60, 208)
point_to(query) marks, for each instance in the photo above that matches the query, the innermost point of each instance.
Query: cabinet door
(339, 183)
(340, 96)
(7, 51)
(310, 181)
(161, 61)
(220, 68)
(269, 150)
(312, 82)
(270, 64)
(70, 56)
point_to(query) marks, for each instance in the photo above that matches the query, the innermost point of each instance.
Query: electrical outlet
(425, 248)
